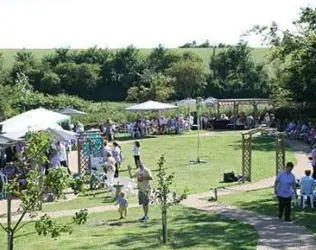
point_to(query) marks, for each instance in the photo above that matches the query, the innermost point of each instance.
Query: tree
(61, 55)
(235, 75)
(7, 97)
(50, 83)
(76, 79)
(164, 196)
(296, 52)
(87, 76)
(37, 144)
(152, 86)
(190, 76)
(160, 59)
(189, 45)
(3, 72)
(206, 44)
(127, 63)
(26, 63)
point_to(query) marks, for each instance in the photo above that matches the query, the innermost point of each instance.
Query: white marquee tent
(33, 118)
(16, 127)
(150, 106)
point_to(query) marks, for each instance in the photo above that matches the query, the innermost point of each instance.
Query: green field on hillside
(205, 53)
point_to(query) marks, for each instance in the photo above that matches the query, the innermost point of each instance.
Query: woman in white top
(116, 153)
(136, 152)
(110, 170)
(62, 153)
(106, 150)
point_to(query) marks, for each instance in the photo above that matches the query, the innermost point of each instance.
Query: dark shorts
(143, 197)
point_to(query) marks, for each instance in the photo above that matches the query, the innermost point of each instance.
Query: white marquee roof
(150, 106)
(33, 118)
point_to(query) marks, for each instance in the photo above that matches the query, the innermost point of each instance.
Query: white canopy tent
(33, 118)
(54, 129)
(151, 106)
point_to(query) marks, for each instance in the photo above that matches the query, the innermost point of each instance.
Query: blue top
(307, 185)
(122, 201)
(285, 186)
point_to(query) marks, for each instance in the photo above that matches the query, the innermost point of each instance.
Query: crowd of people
(285, 184)
(112, 157)
(305, 131)
(161, 125)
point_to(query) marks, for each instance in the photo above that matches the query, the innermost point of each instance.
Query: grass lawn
(188, 229)
(263, 201)
(221, 151)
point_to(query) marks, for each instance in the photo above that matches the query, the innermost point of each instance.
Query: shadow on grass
(24, 235)
(192, 229)
(108, 199)
(92, 193)
(258, 144)
(129, 138)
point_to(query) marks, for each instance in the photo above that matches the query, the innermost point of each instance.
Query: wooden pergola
(242, 101)
(247, 150)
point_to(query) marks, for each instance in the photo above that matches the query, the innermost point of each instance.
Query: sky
(142, 23)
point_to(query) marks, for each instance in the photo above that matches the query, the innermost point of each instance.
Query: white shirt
(136, 150)
(191, 120)
(79, 128)
(106, 150)
(116, 152)
(62, 153)
(307, 185)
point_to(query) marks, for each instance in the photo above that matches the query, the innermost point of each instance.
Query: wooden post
(243, 157)
(250, 155)
(79, 154)
(9, 222)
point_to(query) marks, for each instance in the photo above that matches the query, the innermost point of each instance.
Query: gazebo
(242, 101)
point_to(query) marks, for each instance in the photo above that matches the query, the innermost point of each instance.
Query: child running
(136, 152)
(123, 204)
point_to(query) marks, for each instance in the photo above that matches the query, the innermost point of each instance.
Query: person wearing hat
(313, 158)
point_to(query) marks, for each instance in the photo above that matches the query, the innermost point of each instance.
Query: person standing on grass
(110, 170)
(284, 188)
(144, 176)
(307, 184)
(106, 150)
(136, 152)
(62, 153)
(123, 204)
(117, 154)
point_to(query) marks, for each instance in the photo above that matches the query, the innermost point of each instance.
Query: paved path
(273, 233)
(16, 203)
(56, 214)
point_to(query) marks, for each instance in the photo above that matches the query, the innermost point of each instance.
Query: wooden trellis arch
(247, 150)
(88, 147)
